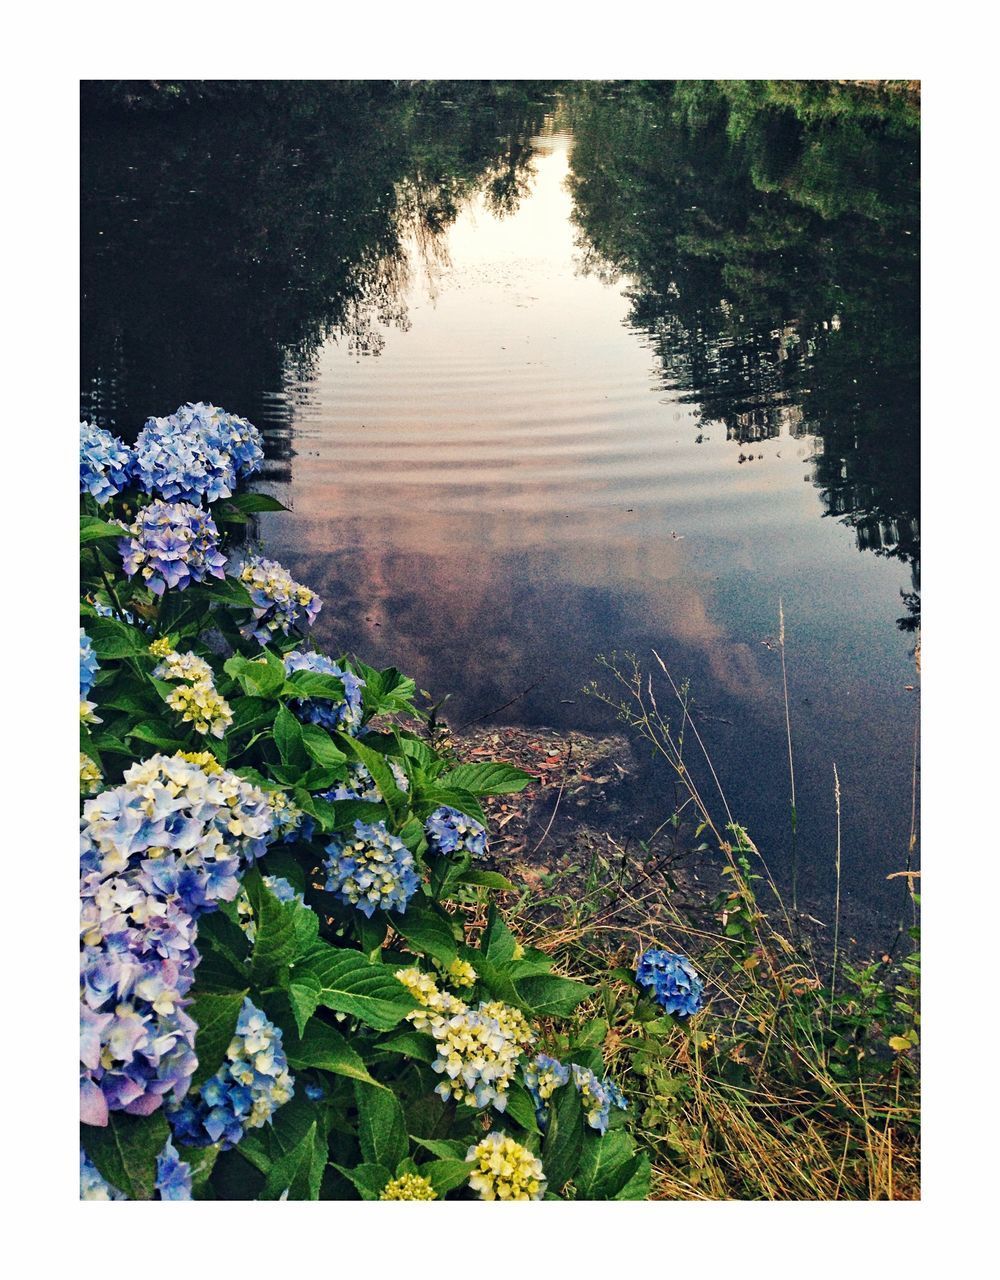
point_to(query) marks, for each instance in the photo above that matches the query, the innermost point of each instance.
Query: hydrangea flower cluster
(281, 889)
(598, 1097)
(173, 1178)
(288, 822)
(542, 1077)
(196, 699)
(136, 967)
(345, 715)
(180, 829)
(504, 1170)
(279, 602)
(671, 980)
(476, 1057)
(105, 463)
(156, 852)
(360, 785)
(436, 1005)
(374, 869)
(199, 452)
(459, 973)
(90, 776)
(227, 432)
(512, 1022)
(450, 831)
(172, 544)
(246, 1090)
(545, 1074)
(408, 1186)
(89, 665)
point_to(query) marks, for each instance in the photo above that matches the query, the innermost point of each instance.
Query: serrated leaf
(426, 931)
(347, 982)
(93, 529)
(445, 1148)
(322, 1048)
(285, 930)
(288, 739)
(216, 1014)
(321, 747)
(378, 767)
(486, 779)
(368, 1179)
(546, 995)
(563, 1137)
(521, 1107)
(605, 1165)
(125, 1150)
(381, 1127)
(114, 639)
(445, 1175)
(286, 1170)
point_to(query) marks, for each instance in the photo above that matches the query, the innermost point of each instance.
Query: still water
(552, 371)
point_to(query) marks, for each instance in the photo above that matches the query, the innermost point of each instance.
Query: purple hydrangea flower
(172, 544)
(279, 602)
(105, 463)
(173, 1178)
(671, 980)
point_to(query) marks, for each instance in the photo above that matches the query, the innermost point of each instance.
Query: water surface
(548, 372)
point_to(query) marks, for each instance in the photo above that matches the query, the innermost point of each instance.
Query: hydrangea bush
(295, 982)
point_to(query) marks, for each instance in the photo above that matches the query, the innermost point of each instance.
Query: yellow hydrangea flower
(504, 1170)
(410, 1186)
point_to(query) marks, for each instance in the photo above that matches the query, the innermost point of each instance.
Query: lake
(550, 371)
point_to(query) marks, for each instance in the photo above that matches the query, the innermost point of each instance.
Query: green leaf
(369, 1179)
(637, 1186)
(216, 1014)
(347, 982)
(315, 684)
(456, 797)
(411, 1044)
(381, 1127)
(288, 738)
(605, 1166)
(232, 592)
(125, 1151)
(93, 529)
(114, 639)
(378, 767)
(249, 503)
(521, 1107)
(498, 942)
(285, 930)
(321, 746)
(487, 779)
(445, 1148)
(445, 1175)
(257, 678)
(223, 948)
(487, 879)
(287, 1170)
(545, 995)
(427, 932)
(563, 1137)
(324, 1049)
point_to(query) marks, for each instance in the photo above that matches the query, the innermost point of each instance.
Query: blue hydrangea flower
(172, 544)
(92, 1185)
(671, 980)
(244, 1093)
(180, 826)
(173, 1178)
(344, 715)
(227, 433)
(598, 1097)
(315, 1092)
(360, 785)
(279, 602)
(542, 1076)
(374, 869)
(199, 452)
(105, 463)
(89, 665)
(450, 831)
